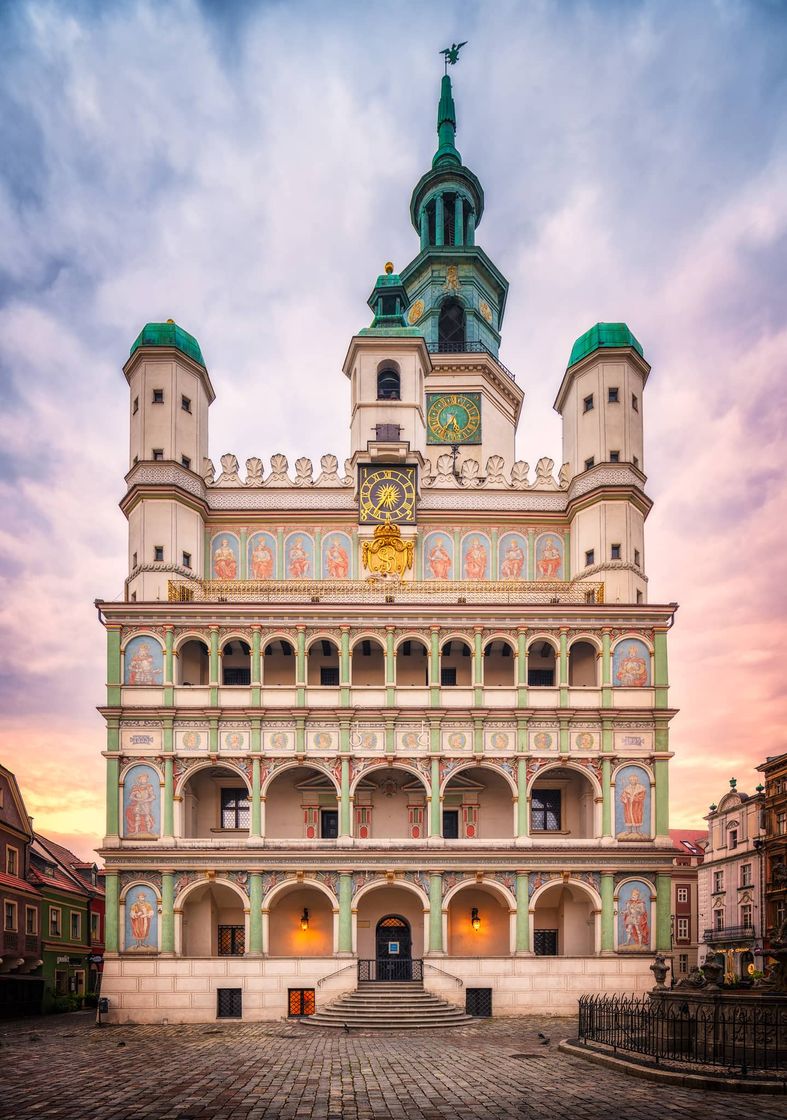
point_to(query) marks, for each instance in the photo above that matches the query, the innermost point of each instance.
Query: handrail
(336, 972)
(450, 975)
(474, 347)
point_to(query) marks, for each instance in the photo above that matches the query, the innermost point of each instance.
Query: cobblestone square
(66, 1066)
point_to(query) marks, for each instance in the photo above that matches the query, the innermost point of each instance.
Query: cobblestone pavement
(65, 1066)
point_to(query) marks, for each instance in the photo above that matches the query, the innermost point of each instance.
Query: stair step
(389, 1006)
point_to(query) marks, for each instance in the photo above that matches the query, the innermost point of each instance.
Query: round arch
(491, 884)
(480, 764)
(550, 639)
(635, 879)
(630, 636)
(139, 762)
(292, 764)
(632, 762)
(189, 889)
(209, 764)
(367, 638)
(456, 636)
(295, 884)
(141, 634)
(397, 765)
(139, 883)
(408, 637)
(377, 884)
(591, 640)
(276, 636)
(235, 636)
(589, 890)
(568, 764)
(501, 636)
(322, 637)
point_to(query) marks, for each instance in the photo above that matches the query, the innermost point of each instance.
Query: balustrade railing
(475, 347)
(729, 933)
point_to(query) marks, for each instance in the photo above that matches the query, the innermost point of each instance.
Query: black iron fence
(390, 969)
(731, 933)
(467, 348)
(741, 1038)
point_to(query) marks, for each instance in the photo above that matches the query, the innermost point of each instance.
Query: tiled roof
(17, 884)
(66, 863)
(59, 881)
(688, 839)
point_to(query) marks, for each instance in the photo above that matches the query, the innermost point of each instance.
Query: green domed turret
(614, 336)
(169, 334)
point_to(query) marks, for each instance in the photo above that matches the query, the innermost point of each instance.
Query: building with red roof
(21, 983)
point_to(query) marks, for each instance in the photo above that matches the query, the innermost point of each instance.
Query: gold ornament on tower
(387, 554)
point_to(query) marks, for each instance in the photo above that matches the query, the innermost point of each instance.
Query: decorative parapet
(465, 592)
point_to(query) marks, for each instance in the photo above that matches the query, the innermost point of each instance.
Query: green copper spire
(389, 301)
(446, 153)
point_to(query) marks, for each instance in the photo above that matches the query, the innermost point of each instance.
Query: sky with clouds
(246, 168)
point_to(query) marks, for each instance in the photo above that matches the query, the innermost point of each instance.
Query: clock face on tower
(453, 417)
(386, 494)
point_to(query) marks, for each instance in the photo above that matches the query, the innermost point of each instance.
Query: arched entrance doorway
(394, 948)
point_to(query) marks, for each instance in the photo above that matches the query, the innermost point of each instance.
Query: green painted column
(606, 794)
(168, 911)
(434, 667)
(661, 774)
(255, 913)
(439, 226)
(563, 736)
(344, 656)
(345, 913)
(390, 668)
(113, 796)
(660, 669)
(607, 912)
(563, 668)
(470, 228)
(300, 666)
(256, 734)
(521, 809)
(437, 801)
(663, 911)
(606, 670)
(436, 913)
(112, 908)
(424, 226)
(607, 736)
(256, 666)
(344, 799)
(213, 735)
(256, 804)
(169, 797)
(459, 223)
(522, 913)
(478, 663)
(214, 666)
(114, 667)
(169, 680)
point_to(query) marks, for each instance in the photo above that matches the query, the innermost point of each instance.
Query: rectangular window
(448, 676)
(683, 929)
(231, 941)
(76, 926)
(614, 456)
(634, 402)
(329, 824)
(9, 916)
(635, 461)
(590, 557)
(636, 556)
(158, 454)
(135, 407)
(158, 396)
(591, 462)
(133, 559)
(732, 838)
(186, 559)
(185, 404)
(718, 881)
(683, 894)
(545, 942)
(745, 874)
(300, 1001)
(235, 676)
(746, 915)
(450, 824)
(55, 919)
(158, 551)
(613, 396)
(229, 1003)
(781, 823)
(12, 861)
(587, 403)
(545, 810)
(683, 962)
(185, 462)
(329, 676)
(614, 552)
(541, 678)
(718, 920)
(31, 921)
(61, 982)
(235, 810)
(95, 928)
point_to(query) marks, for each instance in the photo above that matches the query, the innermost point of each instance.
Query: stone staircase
(398, 1006)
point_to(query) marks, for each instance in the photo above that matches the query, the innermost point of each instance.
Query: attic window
(185, 404)
(591, 462)
(614, 456)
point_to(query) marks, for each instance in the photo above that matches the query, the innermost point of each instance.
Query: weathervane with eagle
(451, 54)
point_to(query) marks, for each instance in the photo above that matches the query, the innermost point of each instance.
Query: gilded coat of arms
(386, 554)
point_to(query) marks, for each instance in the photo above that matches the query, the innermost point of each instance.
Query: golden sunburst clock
(386, 494)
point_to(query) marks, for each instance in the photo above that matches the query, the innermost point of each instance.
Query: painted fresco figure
(632, 798)
(439, 561)
(337, 561)
(262, 560)
(140, 919)
(513, 560)
(635, 920)
(142, 667)
(299, 560)
(224, 564)
(475, 560)
(632, 670)
(139, 815)
(549, 561)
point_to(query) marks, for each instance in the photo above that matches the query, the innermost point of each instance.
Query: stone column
(439, 221)
(256, 804)
(169, 797)
(661, 775)
(470, 228)
(255, 913)
(606, 670)
(606, 797)
(663, 911)
(344, 799)
(168, 912)
(424, 224)
(522, 914)
(113, 796)
(169, 691)
(660, 669)
(521, 779)
(434, 666)
(563, 668)
(459, 221)
(436, 914)
(345, 914)
(437, 801)
(111, 908)
(114, 667)
(607, 912)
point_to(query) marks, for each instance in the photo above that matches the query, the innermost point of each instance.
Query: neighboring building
(774, 772)
(68, 888)
(412, 707)
(689, 847)
(21, 984)
(730, 881)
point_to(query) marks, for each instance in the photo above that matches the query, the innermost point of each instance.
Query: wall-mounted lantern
(305, 919)
(475, 921)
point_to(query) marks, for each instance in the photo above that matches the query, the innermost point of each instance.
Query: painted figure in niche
(262, 559)
(322, 741)
(634, 917)
(140, 797)
(140, 916)
(585, 741)
(438, 560)
(368, 740)
(336, 560)
(475, 560)
(299, 561)
(410, 740)
(513, 560)
(280, 741)
(143, 663)
(632, 799)
(192, 740)
(631, 669)
(550, 559)
(225, 566)
(233, 741)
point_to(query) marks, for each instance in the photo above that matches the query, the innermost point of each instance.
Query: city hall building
(402, 716)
